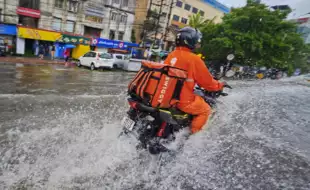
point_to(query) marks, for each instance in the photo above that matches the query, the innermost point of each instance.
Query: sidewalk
(33, 60)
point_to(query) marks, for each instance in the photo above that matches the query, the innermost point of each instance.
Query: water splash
(258, 138)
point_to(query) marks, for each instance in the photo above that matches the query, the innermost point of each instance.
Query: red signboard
(121, 45)
(28, 12)
(303, 20)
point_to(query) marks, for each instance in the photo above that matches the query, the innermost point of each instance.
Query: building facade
(175, 14)
(304, 28)
(63, 22)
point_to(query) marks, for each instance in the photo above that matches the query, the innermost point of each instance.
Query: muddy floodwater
(59, 130)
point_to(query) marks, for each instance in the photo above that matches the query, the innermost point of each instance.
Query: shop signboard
(37, 34)
(105, 43)
(74, 39)
(8, 29)
(28, 12)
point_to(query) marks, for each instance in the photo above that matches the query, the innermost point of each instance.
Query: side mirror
(230, 57)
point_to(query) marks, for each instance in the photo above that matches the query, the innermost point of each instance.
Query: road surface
(59, 129)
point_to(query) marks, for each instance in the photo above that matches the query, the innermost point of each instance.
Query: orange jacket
(198, 73)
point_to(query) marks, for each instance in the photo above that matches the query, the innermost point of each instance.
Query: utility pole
(158, 19)
(118, 19)
(168, 20)
(4, 15)
(147, 18)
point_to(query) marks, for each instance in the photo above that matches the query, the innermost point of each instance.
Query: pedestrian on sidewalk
(41, 51)
(67, 56)
(53, 52)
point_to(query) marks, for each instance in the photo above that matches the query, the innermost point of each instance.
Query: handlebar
(216, 93)
(227, 86)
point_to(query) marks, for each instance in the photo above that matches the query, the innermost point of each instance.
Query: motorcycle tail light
(133, 104)
(162, 129)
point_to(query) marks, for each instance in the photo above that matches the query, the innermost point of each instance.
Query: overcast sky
(300, 7)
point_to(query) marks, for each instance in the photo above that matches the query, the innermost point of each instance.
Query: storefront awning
(119, 50)
(69, 46)
(8, 29)
(37, 34)
(74, 39)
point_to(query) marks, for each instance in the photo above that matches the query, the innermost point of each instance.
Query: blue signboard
(8, 29)
(105, 43)
(217, 5)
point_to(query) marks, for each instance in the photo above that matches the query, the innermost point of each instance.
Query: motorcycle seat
(143, 107)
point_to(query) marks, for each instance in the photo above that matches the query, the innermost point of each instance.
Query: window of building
(56, 24)
(70, 26)
(179, 4)
(120, 35)
(125, 3)
(93, 19)
(116, 1)
(202, 13)
(112, 35)
(184, 20)
(176, 18)
(93, 32)
(123, 18)
(1, 16)
(59, 3)
(187, 7)
(31, 4)
(28, 21)
(113, 16)
(195, 10)
(72, 6)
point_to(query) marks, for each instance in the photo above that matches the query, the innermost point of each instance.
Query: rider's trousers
(201, 111)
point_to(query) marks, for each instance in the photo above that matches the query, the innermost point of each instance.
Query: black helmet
(188, 37)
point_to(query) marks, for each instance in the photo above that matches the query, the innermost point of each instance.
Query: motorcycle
(155, 128)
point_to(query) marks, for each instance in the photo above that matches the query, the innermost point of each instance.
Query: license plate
(128, 123)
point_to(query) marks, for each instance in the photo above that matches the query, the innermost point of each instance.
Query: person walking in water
(67, 56)
(53, 52)
(41, 51)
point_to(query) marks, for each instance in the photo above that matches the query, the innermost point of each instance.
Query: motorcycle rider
(187, 40)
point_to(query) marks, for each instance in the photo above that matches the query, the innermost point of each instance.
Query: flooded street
(59, 130)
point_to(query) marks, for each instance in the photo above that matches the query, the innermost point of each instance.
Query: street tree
(150, 25)
(199, 22)
(257, 35)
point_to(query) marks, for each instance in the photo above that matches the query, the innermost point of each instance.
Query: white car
(95, 60)
(120, 60)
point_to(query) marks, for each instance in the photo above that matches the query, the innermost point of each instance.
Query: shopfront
(8, 35)
(113, 46)
(30, 40)
(79, 45)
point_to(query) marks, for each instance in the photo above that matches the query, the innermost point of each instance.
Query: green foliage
(257, 36)
(133, 36)
(150, 25)
(197, 21)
